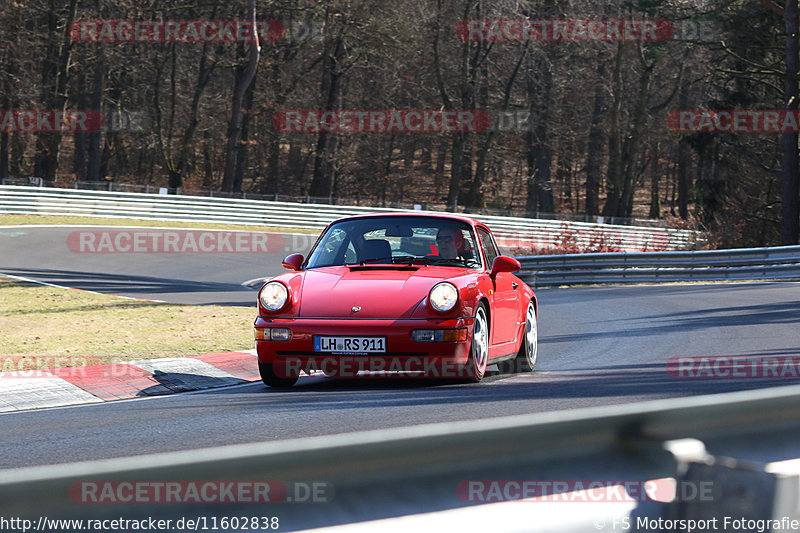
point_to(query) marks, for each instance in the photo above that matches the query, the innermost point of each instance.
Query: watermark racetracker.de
(349, 364)
(64, 367)
(202, 492)
(50, 121)
(564, 30)
(194, 31)
(175, 31)
(734, 121)
(584, 490)
(734, 367)
(179, 241)
(381, 121)
(35, 366)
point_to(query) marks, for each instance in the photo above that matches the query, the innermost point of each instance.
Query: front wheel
(525, 359)
(269, 377)
(479, 350)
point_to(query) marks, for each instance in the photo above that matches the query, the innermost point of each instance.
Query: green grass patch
(78, 327)
(22, 220)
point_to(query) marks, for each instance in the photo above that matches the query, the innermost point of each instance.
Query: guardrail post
(727, 494)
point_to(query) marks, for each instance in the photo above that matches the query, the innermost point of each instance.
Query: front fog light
(280, 334)
(424, 335)
(439, 335)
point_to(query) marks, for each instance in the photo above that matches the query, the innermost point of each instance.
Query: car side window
(488, 246)
(335, 246)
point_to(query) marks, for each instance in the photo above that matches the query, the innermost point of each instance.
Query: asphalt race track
(50, 254)
(598, 346)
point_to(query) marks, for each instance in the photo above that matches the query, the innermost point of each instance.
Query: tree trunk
(596, 141)
(94, 168)
(684, 160)
(387, 170)
(475, 194)
(322, 182)
(187, 142)
(3, 154)
(461, 155)
(17, 153)
(790, 206)
(242, 158)
(539, 152)
(275, 176)
(297, 162)
(55, 77)
(630, 156)
(458, 171)
(615, 162)
(208, 165)
(655, 178)
(235, 126)
(441, 157)
(80, 138)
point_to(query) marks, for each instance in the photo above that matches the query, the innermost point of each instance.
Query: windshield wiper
(432, 260)
(401, 259)
(461, 261)
(417, 260)
(412, 259)
(375, 260)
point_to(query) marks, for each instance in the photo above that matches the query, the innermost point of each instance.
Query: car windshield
(397, 240)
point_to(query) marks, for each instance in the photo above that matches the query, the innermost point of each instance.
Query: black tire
(269, 377)
(479, 349)
(525, 359)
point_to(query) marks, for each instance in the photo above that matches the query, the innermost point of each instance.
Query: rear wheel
(269, 377)
(479, 350)
(529, 348)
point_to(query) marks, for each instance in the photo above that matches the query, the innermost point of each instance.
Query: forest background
(580, 128)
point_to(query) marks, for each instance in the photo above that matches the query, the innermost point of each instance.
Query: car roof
(449, 216)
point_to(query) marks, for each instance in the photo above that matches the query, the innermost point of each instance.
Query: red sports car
(397, 294)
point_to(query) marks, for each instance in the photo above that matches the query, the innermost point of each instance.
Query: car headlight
(273, 296)
(443, 297)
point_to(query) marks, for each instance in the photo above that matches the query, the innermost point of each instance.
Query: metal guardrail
(773, 263)
(386, 474)
(512, 232)
(114, 186)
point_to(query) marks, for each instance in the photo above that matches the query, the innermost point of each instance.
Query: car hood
(378, 292)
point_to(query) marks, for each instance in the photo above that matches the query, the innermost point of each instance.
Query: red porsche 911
(398, 294)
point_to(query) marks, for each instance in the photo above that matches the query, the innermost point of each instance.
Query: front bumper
(403, 354)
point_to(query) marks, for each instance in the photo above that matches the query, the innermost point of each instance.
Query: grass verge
(21, 220)
(62, 327)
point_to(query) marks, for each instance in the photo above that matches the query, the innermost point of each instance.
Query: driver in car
(445, 243)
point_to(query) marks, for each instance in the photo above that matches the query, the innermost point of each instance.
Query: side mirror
(293, 262)
(503, 263)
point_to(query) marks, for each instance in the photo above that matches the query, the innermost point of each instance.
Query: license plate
(350, 344)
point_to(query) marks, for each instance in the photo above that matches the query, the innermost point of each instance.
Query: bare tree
(242, 83)
(790, 172)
